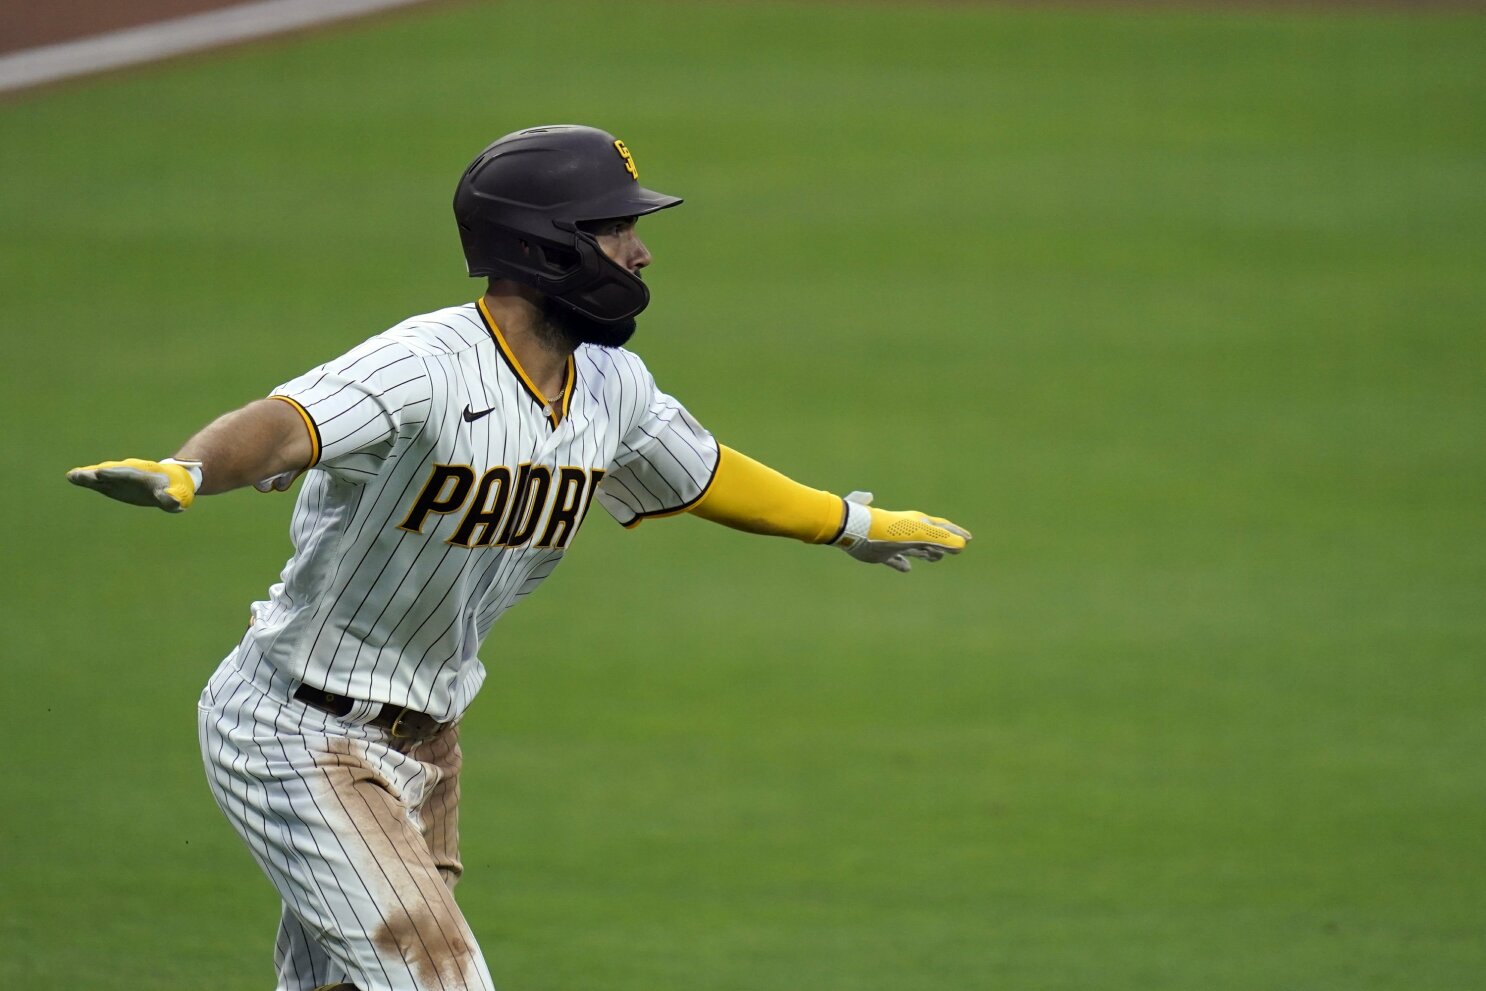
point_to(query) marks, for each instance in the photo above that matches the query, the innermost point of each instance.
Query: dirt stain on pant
(414, 853)
(436, 955)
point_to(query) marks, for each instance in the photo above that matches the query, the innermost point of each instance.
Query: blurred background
(1179, 308)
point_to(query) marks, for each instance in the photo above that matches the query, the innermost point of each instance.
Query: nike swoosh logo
(470, 416)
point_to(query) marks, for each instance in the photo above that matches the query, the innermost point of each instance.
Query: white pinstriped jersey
(443, 490)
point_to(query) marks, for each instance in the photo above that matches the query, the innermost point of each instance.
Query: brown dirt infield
(27, 25)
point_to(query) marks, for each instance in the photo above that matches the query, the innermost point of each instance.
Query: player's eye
(611, 228)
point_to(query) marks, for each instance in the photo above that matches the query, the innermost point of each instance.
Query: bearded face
(572, 328)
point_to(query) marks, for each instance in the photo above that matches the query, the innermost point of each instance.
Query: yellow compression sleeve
(746, 495)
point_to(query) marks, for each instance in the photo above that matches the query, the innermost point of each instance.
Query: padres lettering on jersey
(497, 508)
(445, 490)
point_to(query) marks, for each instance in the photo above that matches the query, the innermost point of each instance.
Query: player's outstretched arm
(750, 496)
(266, 443)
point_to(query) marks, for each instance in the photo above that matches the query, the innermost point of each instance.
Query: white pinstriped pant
(360, 838)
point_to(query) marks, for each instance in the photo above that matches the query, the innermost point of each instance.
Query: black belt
(400, 721)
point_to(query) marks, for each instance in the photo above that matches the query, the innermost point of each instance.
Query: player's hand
(879, 536)
(169, 485)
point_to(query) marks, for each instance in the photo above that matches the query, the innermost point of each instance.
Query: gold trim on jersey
(661, 513)
(309, 422)
(557, 415)
(567, 388)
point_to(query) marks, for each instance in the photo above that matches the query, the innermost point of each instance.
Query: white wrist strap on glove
(900, 535)
(858, 522)
(193, 468)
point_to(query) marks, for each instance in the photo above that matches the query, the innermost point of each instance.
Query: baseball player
(447, 464)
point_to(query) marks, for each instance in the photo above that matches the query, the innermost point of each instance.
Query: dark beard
(571, 328)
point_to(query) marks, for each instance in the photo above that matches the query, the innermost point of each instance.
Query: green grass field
(1182, 313)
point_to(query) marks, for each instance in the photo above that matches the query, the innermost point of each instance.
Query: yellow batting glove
(879, 536)
(168, 484)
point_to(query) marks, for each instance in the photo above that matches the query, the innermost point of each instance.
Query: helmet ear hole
(557, 259)
(554, 259)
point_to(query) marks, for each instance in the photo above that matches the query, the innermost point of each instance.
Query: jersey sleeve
(355, 406)
(663, 465)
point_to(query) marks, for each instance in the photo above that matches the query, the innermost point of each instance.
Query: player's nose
(638, 256)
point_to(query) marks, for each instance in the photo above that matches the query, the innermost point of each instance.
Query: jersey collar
(554, 415)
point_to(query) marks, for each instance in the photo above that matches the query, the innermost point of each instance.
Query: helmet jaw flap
(598, 287)
(577, 274)
(519, 205)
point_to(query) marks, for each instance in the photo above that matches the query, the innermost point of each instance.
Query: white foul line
(149, 42)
